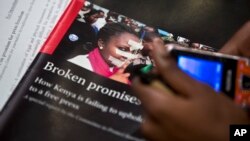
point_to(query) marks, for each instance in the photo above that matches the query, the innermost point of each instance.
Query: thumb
(171, 74)
(239, 44)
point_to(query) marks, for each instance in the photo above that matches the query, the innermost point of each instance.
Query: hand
(189, 111)
(239, 44)
(120, 76)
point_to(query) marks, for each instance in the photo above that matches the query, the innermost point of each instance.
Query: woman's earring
(101, 47)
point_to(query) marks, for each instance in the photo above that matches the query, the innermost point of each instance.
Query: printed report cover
(78, 86)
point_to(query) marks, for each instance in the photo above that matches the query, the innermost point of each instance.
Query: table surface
(211, 22)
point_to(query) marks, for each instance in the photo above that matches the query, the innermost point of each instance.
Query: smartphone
(224, 73)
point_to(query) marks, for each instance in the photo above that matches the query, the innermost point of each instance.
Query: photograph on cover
(113, 45)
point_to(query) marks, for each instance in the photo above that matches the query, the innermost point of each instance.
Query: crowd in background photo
(85, 36)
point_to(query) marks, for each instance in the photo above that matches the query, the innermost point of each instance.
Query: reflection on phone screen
(207, 71)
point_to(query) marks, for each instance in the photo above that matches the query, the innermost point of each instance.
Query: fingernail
(158, 49)
(160, 52)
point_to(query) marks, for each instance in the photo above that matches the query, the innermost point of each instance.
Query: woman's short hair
(114, 29)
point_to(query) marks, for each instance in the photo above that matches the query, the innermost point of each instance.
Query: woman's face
(119, 42)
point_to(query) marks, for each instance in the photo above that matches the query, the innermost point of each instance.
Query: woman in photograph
(106, 59)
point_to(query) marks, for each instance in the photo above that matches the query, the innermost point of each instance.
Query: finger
(155, 101)
(124, 66)
(120, 71)
(152, 131)
(239, 44)
(126, 75)
(179, 81)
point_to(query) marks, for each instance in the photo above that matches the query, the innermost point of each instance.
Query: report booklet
(78, 87)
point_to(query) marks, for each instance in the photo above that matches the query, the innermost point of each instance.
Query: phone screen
(207, 71)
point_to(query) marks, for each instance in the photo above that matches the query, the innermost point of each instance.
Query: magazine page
(25, 25)
(81, 88)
